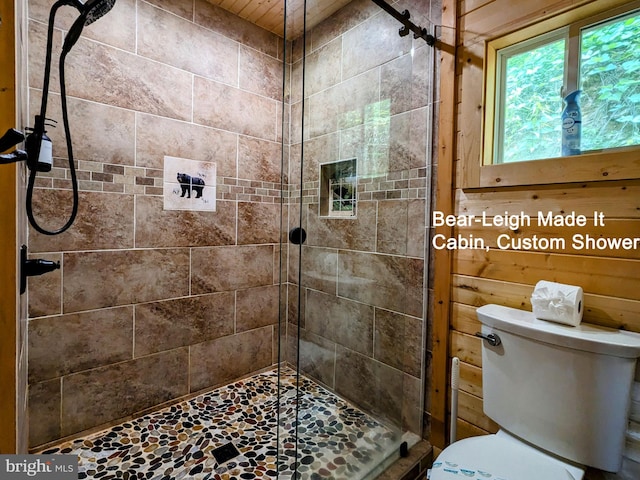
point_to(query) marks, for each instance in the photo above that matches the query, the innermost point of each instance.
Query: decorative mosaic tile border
(104, 177)
(405, 184)
(335, 439)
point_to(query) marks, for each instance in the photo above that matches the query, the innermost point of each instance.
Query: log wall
(507, 276)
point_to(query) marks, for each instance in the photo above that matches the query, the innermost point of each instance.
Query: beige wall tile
(343, 20)
(178, 42)
(260, 73)
(408, 140)
(39, 10)
(104, 220)
(295, 133)
(258, 223)
(386, 281)
(293, 92)
(210, 362)
(156, 227)
(129, 109)
(318, 358)
(259, 159)
(215, 269)
(319, 150)
(320, 268)
(323, 67)
(364, 51)
(358, 233)
(228, 108)
(340, 320)
(108, 75)
(101, 133)
(182, 8)
(416, 228)
(374, 386)
(116, 28)
(37, 53)
(115, 391)
(44, 412)
(294, 306)
(392, 227)
(225, 23)
(344, 105)
(104, 279)
(231, 117)
(45, 291)
(412, 404)
(406, 80)
(71, 343)
(157, 137)
(398, 341)
(182, 322)
(256, 307)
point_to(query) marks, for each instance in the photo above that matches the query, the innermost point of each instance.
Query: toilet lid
(494, 457)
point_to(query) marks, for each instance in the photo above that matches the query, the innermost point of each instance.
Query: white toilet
(560, 394)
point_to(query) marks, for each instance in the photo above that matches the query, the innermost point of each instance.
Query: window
(343, 201)
(600, 57)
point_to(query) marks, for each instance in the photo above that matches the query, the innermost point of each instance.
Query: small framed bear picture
(189, 184)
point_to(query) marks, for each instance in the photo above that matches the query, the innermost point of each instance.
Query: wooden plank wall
(610, 278)
(8, 309)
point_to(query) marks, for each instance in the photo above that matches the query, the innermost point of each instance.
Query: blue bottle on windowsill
(571, 125)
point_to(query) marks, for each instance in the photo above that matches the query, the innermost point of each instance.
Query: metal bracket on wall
(10, 139)
(31, 267)
(408, 25)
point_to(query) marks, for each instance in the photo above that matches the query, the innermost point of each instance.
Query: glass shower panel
(360, 107)
(288, 374)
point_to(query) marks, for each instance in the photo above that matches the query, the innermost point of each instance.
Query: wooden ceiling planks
(269, 14)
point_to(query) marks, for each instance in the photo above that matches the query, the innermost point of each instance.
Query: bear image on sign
(188, 183)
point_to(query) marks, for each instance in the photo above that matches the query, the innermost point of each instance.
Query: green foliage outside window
(610, 82)
(610, 100)
(533, 105)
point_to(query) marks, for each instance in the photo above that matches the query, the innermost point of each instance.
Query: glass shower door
(361, 110)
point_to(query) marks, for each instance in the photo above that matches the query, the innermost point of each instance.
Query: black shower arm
(408, 25)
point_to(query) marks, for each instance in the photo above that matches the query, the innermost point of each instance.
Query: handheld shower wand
(38, 145)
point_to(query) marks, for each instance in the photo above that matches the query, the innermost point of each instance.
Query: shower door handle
(297, 235)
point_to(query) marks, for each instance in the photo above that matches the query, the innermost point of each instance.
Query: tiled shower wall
(368, 95)
(151, 305)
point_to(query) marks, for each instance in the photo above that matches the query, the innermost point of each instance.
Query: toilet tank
(564, 389)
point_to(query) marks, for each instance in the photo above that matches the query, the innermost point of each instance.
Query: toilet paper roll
(557, 302)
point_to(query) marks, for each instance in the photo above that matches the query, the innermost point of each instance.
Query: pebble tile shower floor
(336, 440)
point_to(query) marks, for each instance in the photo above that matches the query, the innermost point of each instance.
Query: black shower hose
(67, 133)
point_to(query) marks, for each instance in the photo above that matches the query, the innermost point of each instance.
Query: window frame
(502, 57)
(610, 164)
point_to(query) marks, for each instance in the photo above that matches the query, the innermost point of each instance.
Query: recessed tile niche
(189, 184)
(338, 186)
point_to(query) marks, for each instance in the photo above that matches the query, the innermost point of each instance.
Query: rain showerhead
(97, 8)
(89, 13)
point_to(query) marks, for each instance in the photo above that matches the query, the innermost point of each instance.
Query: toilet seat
(499, 457)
